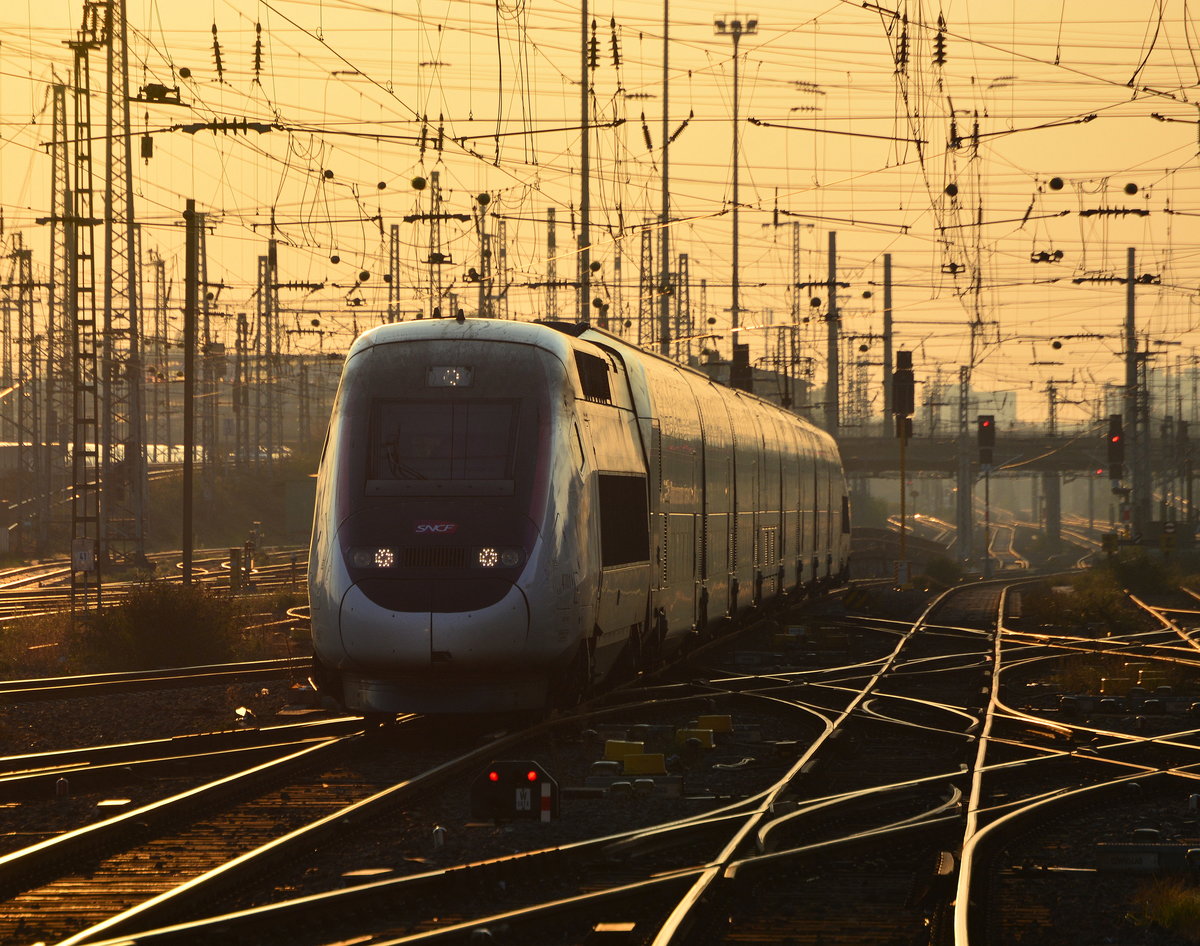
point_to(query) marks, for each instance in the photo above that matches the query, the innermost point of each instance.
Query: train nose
(406, 625)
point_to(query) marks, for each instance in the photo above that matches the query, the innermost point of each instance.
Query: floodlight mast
(734, 25)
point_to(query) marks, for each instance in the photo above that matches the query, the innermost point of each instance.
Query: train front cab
(433, 588)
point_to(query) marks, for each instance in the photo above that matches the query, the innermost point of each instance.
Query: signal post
(1114, 445)
(986, 434)
(903, 405)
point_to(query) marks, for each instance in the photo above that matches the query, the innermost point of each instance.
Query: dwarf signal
(515, 790)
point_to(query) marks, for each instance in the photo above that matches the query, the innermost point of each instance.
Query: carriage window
(442, 440)
(624, 526)
(593, 377)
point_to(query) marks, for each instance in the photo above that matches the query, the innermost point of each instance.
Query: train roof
(527, 333)
(551, 335)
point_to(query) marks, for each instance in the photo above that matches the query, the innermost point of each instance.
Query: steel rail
(974, 835)
(680, 917)
(46, 688)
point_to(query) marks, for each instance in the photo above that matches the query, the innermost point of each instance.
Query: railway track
(34, 590)
(1052, 786)
(877, 777)
(55, 688)
(861, 755)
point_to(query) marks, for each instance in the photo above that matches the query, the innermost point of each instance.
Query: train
(510, 513)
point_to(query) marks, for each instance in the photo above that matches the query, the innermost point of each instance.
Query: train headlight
(372, 558)
(491, 557)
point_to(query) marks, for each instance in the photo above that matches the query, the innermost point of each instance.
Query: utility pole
(963, 507)
(209, 429)
(734, 26)
(483, 275)
(832, 398)
(437, 259)
(887, 340)
(903, 388)
(583, 307)
(160, 405)
(241, 393)
(664, 251)
(1136, 409)
(193, 222)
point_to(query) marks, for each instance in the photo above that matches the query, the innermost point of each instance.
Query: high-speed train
(507, 511)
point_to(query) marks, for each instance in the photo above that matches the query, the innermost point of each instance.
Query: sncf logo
(436, 528)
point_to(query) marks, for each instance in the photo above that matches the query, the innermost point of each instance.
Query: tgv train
(508, 511)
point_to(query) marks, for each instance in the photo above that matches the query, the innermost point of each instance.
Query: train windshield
(445, 446)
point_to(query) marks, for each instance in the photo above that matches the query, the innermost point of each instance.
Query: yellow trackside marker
(715, 723)
(645, 763)
(618, 749)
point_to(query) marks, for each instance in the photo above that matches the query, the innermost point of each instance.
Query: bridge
(1027, 453)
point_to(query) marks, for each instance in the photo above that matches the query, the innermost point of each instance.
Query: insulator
(217, 55)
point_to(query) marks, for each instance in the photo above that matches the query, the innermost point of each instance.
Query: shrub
(1172, 904)
(944, 571)
(160, 624)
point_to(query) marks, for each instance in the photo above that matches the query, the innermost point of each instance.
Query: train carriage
(508, 511)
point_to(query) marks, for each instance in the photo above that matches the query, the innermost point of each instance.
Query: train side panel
(619, 503)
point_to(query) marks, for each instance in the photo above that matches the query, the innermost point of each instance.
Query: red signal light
(531, 775)
(493, 776)
(985, 423)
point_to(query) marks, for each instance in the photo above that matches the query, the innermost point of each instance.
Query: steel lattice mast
(123, 454)
(79, 223)
(59, 341)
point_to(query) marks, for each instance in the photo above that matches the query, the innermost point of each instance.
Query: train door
(825, 545)
(747, 446)
(815, 459)
(768, 525)
(716, 525)
(789, 508)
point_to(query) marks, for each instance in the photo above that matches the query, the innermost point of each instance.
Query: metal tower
(500, 305)
(209, 430)
(123, 452)
(436, 256)
(266, 367)
(647, 290)
(393, 276)
(79, 221)
(241, 393)
(59, 334)
(28, 394)
(551, 266)
(683, 332)
(159, 354)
